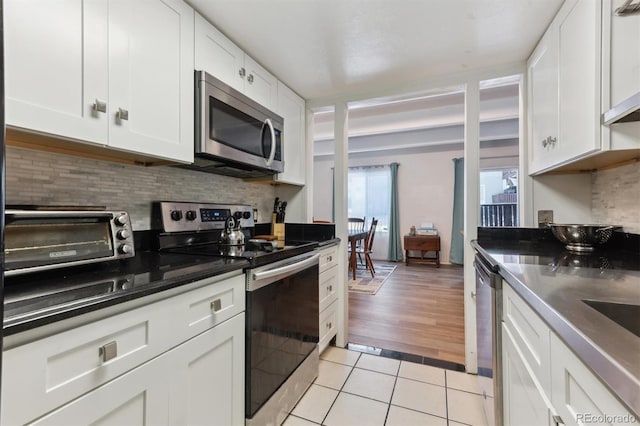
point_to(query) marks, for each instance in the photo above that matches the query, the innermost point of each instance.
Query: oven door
(282, 324)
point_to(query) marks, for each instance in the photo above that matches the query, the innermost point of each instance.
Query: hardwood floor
(419, 310)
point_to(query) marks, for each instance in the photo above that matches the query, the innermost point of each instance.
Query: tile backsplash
(37, 177)
(615, 197)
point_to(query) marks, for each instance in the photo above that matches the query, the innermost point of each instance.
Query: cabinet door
(543, 102)
(260, 85)
(56, 67)
(292, 108)
(151, 87)
(217, 55)
(524, 403)
(579, 78)
(577, 395)
(208, 372)
(137, 398)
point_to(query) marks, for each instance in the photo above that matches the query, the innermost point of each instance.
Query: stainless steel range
(282, 329)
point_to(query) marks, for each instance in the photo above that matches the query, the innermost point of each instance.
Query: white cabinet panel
(151, 77)
(209, 377)
(220, 57)
(217, 55)
(56, 67)
(136, 398)
(112, 72)
(292, 108)
(524, 402)
(577, 393)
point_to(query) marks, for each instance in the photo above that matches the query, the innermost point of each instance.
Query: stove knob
(121, 220)
(123, 234)
(176, 214)
(191, 215)
(246, 215)
(237, 215)
(125, 249)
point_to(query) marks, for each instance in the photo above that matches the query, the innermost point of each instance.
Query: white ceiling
(326, 48)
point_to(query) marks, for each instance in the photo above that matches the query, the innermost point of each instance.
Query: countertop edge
(22, 324)
(624, 386)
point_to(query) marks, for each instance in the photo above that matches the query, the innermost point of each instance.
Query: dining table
(354, 236)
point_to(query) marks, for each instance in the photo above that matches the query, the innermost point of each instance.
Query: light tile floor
(359, 389)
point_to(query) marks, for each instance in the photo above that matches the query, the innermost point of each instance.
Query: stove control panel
(178, 216)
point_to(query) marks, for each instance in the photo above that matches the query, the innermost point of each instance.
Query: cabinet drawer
(328, 258)
(422, 243)
(212, 304)
(328, 325)
(42, 375)
(328, 287)
(530, 334)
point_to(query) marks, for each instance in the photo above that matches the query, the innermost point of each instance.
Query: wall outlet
(545, 217)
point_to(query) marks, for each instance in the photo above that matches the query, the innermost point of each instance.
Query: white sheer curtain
(369, 197)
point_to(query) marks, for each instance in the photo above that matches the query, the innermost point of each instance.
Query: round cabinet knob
(123, 234)
(176, 215)
(191, 215)
(125, 249)
(121, 220)
(246, 215)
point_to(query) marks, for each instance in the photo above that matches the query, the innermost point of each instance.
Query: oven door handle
(288, 269)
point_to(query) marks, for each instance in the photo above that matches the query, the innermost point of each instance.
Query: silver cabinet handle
(473, 294)
(329, 259)
(216, 305)
(99, 106)
(242, 72)
(250, 78)
(108, 351)
(122, 114)
(549, 141)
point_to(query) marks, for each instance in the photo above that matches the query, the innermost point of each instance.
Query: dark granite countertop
(556, 282)
(43, 298)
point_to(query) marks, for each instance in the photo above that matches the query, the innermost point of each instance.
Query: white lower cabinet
(524, 401)
(577, 395)
(328, 295)
(179, 360)
(544, 382)
(208, 371)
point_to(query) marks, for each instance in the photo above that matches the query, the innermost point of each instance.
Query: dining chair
(356, 224)
(367, 247)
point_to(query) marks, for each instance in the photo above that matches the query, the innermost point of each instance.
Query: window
(370, 194)
(499, 197)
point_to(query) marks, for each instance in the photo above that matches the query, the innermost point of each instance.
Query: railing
(499, 214)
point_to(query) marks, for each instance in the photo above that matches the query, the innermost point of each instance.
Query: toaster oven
(40, 240)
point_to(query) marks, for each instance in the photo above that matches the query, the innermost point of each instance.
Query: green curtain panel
(456, 255)
(395, 253)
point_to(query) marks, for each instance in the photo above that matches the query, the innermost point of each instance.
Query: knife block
(277, 229)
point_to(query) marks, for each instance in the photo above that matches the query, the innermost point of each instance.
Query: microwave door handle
(272, 153)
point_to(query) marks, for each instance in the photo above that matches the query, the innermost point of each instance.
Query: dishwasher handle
(493, 279)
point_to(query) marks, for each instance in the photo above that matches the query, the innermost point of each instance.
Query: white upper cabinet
(220, 57)
(292, 108)
(56, 67)
(564, 88)
(151, 87)
(543, 101)
(112, 72)
(621, 62)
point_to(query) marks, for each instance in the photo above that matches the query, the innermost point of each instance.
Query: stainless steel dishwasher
(489, 341)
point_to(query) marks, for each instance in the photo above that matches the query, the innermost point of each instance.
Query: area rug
(364, 284)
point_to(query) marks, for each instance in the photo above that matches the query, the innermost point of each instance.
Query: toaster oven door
(40, 242)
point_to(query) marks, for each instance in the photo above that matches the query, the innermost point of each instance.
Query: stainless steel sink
(625, 315)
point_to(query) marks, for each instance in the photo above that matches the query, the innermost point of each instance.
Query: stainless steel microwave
(37, 240)
(235, 135)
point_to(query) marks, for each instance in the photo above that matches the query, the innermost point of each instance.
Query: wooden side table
(423, 244)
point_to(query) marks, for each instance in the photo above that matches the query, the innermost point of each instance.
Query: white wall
(569, 196)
